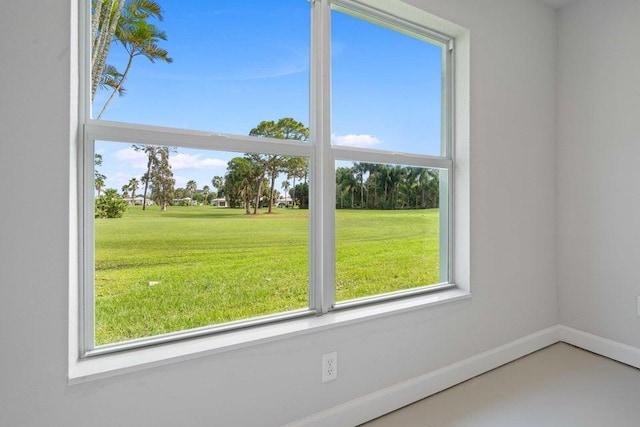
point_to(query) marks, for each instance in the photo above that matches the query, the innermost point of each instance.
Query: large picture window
(251, 162)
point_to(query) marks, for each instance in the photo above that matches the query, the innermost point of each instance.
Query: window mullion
(321, 291)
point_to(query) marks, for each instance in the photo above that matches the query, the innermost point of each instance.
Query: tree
(158, 176)
(125, 191)
(260, 165)
(360, 169)
(296, 167)
(126, 22)
(138, 37)
(302, 190)
(105, 15)
(133, 186)
(433, 188)
(218, 184)
(110, 205)
(238, 182)
(286, 185)
(98, 178)
(99, 182)
(345, 185)
(161, 177)
(205, 194)
(387, 186)
(150, 151)
(271, 164)
(110, 79)
(191, 188)
(179, 193)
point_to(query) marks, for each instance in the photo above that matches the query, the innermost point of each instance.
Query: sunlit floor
(560, 385)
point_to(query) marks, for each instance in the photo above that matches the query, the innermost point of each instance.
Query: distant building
(185, 201)
(284, 202)
(219, 203)
(137, 201)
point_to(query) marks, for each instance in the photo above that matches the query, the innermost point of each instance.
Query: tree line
(382, 186)
(249, 183)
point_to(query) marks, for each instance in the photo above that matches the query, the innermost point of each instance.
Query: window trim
(322, 220)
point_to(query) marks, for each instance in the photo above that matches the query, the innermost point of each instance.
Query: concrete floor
(560, 385)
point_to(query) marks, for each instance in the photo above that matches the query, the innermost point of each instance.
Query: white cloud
(138, 160)
(181, 181)
(118, 180)
(135, 159)
(352, 140)
(195, 161)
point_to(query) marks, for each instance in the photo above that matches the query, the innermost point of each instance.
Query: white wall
(513, 250)
(599, 169)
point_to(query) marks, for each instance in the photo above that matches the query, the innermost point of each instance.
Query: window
(257, 162)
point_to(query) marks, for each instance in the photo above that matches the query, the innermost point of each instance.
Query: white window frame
(322, 157)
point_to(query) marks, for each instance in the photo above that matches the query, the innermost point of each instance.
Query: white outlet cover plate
(329, 367)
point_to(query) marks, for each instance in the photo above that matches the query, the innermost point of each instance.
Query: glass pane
(233, 64)
(196, 250)
(386, 88)
(387, 228)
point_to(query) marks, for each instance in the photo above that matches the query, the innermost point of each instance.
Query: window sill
(82, 370)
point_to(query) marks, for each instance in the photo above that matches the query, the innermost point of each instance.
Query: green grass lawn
(159, 272)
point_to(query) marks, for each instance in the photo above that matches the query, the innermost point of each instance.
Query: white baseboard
(389, 399)
(605, 347)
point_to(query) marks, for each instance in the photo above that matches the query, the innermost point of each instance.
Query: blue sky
(238, 63)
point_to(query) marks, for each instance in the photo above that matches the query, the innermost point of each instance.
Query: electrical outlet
(329, 367)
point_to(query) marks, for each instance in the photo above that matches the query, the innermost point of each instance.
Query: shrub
(110, 205)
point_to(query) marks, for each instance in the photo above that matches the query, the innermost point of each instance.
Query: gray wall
(513, 245)
(599, 172)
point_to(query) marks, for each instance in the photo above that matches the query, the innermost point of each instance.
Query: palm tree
(360, 169)
(393, 176)
(285, 186)
(138, 37)
(218, 183)
(125, 191)
(372, 186)
(110, 79)
(98, 178)
(345, 185)
(205, 194)
(433, 188)
(105, 15)
(99, 182)
(133, 186)
(191, 188)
